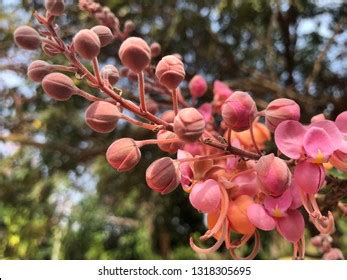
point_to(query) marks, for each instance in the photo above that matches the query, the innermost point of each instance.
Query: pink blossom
(205, 196)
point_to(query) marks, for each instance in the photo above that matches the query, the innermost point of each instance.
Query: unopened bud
(104, 33)
(129, 26)
(55, 7)
(197, 86)
(58, 86)
(170, 71)
(168, 116)
(135, 54)
(155, 49)
(102, 116)
(189, 124)
(162, 175)
(38, 69)
(110, 73)
(274, 175)
(123, 154)
(239, 111)
(87, 44)
(280, 110)
(27, 37)
(169, 147)
(206, 196)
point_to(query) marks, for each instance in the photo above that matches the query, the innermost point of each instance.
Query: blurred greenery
(59, 199)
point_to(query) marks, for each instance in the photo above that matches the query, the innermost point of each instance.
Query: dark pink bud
(279, 110)
(110, 73)
(169, 147)
(162, 175)
(309, 176)
(197, 86)
(238, 111)
(168, 116)
(123, 154)
(104, 33)
(206, 196)
(87, 44)
(155, 49)
(170, 71)
(135, 54)
(38, 69)
(189, 124)
(58, 86)
(274, 175)
(102, 116)
(55, 7)
(27, 38)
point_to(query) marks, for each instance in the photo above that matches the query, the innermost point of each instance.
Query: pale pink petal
(277, 206)
(289, 137)
(260, 218)
(205, 196)
(341, 122)
(309, 176)
(318, 145)
(292, 226)
(332, 131)
(185, 168)
(296, 200)
(247, 183)
(318, 118)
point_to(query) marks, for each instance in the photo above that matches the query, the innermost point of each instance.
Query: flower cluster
(222, 165)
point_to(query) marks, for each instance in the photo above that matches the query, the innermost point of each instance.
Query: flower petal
(309, 176)
(277, 206)
(318, 144)
(292, 226)
(260, 218)
(332, 130)
(289, 136)
(341, 122)
(296, 200)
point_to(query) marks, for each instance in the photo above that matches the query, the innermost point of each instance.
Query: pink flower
(317, 141)
(309, 176)
(206, 111)
(221, 92)
(197, 86)
(278, 213)
(206, 196)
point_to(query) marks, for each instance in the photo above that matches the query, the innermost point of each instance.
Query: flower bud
(197, 86)
(168, 147)
(221, 92)
(27, 38)
(189, 124)
(274, 175)
(333, 254)
(152, 106)
(123, 154)
(279, 110)
(55, 7)
(129, 26)
(237, 215)
(162, 175)
(38, 69)
(168, 116)
(309, 176)
(206, 196)
(110, 73)
(155, 49)
(58, 86)
(170, 71)
(104, 33)
(87, 44)
(135, 54)
(239, 111)
(102, 116)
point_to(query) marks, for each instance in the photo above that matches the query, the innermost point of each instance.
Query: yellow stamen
(319, 157)
(277, 213)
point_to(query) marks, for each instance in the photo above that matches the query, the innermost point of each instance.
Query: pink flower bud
(274, 175)
(129, 26)
(135, 54)
(333, 254)
(123, 154)
(55, 7)
(155, 49)
(170, 147)
(38, 69)
(162, 175)
(197, 86)
(58, 86)
(317, 241)
(27, 38)
(279, 110)
(239, 111)
(170, 71)
(168, 116)
(318, 118)
(206, 196)
(221, 92)
(189, 124)
(110, 73)
(87, 44)
(309, 176)
(104, 33)
(152, 106)
(102, 116)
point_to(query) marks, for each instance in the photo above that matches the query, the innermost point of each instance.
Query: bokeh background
(59, 199)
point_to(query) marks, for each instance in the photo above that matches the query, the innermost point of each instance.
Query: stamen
(254, 252)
